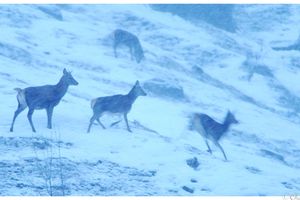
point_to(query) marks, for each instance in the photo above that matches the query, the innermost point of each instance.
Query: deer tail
(21, 96)
(19, 90)
(93, 102)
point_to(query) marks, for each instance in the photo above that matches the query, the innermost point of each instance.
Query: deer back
(206, 126)
(113, 104)
(42, 96)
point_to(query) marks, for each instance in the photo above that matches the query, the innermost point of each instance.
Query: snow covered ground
(210, 65)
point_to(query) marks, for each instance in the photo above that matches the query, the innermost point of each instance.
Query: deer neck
(132, 96)
(226, 124)
(61, 88)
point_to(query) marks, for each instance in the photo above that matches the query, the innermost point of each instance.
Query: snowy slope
(38, 41)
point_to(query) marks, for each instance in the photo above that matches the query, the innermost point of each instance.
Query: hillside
(200, 68)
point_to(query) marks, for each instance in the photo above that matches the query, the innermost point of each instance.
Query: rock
(190, 190)
(164, 89)
(15, 53)
(21, 185)
(194, 180)
(196, 69)
(205, 189)
(287, 185)
(253, 170)
(295, 47)
(41, 144)
(193, 163)
(152, 172)
(98, 162)
(273, 155)
(51, 10)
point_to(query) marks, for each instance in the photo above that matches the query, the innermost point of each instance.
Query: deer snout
(143, 93)
(74, 82)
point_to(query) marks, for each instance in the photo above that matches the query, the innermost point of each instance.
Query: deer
(42, 97)
(116, 104)
(211, 130)
(122, 37)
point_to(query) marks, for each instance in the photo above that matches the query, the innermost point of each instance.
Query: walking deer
(211, 130)
(116, 104)
(128, 39)
(42, 97)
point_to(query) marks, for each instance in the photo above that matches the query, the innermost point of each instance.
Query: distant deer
(209, 129)
(116, 104)
(128, 39)
(42, 97)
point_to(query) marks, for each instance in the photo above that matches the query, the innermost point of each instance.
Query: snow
(152, 159)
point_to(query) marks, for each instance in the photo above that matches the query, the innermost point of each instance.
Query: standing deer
(122, 37)
(209, 129)
(42, 97)
(116, 104)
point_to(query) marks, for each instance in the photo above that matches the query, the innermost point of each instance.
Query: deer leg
(49, 116)
(218, 145)
(17, 112)
(115, 123)
(93, 118)
(209, 150)
(131, 53)
(29, 116)
(98, 120)
(204, 135)
(126, 120)
(115, 49)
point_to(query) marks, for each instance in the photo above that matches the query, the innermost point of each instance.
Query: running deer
(116, 104)
(211, 130)
(42, 97)
(122, 37)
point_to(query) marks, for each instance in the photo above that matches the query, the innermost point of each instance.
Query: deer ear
(65, 71)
